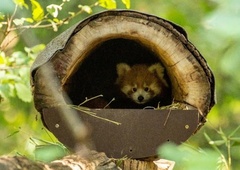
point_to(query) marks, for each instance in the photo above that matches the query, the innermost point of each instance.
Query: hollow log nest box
(83, 60)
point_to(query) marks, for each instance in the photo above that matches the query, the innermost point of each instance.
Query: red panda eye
(134, 89)
(146, 89)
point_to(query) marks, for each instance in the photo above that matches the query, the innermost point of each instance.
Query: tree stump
(83, 63)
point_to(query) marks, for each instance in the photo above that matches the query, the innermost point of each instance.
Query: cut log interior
(83, 59)
(97, 74)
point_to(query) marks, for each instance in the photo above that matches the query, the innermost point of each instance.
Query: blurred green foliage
(212, 25)
(188, 158)
(26, 26)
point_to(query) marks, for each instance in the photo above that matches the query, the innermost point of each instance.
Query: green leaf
(2, 16)
(37, 11)
(47, 153)
(18, 21)
(53, 9)
(23, 92)
(38, 48)
(2, 59)
(187, 157)
(23, 72)
(10, 78)
(19, 58)
(13, 133)
(126, 3)
(235, 139)
(7, 90)
(87, 9)
(71, 13)
(210, 141)
(109, 4)
(21, 3)
(54, 25)
(22, 20)
(217, 142)
(29, 20)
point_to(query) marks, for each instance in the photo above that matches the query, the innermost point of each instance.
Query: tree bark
(97, 161)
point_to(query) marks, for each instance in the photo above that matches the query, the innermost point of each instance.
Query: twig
(167, 118)
(91, 113)
(70, 118)
(113, 99)
(92, 98)
(38, 24)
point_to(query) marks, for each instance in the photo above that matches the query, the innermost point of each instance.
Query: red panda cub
(141, 83)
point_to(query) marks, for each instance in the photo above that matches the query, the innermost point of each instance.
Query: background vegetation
(212, 25)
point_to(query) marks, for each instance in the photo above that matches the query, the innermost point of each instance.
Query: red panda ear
(122, 68)
(159, 70)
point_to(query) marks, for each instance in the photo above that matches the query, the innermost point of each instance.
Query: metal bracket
(139, 135)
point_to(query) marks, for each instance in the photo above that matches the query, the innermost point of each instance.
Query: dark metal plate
(141, 131)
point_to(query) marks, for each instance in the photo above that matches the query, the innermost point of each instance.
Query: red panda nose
(140, 98)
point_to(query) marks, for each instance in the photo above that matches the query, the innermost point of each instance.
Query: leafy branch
(12, 27)
(228, 141)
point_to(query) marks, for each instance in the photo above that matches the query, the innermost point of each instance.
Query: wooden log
(190, 77)
(84, 58)
(98, 161)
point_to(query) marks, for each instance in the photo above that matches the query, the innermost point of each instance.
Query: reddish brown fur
(141, 76)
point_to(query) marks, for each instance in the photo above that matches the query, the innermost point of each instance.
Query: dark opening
(130, 150)
(97, 74)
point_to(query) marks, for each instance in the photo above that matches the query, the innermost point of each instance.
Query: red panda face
(140, 82)
(141, 93)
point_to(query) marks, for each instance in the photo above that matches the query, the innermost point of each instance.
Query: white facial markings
(126, 89)
(141, 96)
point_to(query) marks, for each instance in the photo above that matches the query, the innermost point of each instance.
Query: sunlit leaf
(19, 58)
(9, 78)
(23, 92)
(4, 91)
(109, 4)
(87, 9)
(54, 25)
(21, 3)
(71, 13)
(127, 3)
(2, 59)
(53, 9)
(7, 90)
(23, 73)
(29, 20)
(22, 20)
(38, 48)
(37, 11)
(18, 21)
